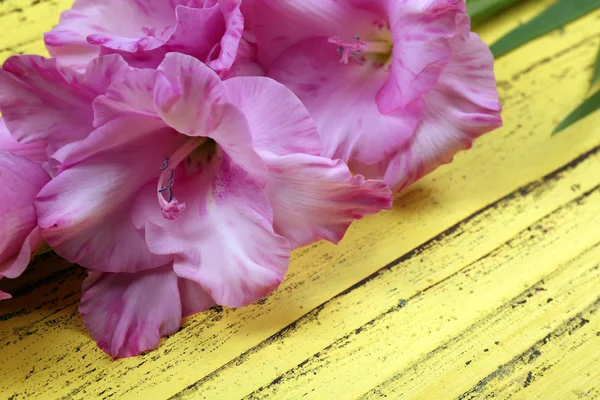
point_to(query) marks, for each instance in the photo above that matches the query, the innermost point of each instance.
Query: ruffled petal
(34, 151)
(14, 266)
(41, 101)
(421, 30)
(342, 100)
(121, 25)
(4, 295)
(194, 298)
(188, 96)
(245, 63)
(463, 105)
(191, 99)
(228, 44)
(210, 34)
(127, 314)
(224, 240)
(22, 179)
(85, 211)
(233, 135)
(286, 128)
(197, 34)
(131, 96)
(316, 198)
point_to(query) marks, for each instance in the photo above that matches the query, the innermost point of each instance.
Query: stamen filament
(170, 206)
(165, 164)
(169, 183)
(358, 47)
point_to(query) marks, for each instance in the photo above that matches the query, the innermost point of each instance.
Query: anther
(169, 183)
(170, 198)
(165, 164)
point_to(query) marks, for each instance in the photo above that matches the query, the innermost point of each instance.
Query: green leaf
(596, 76)
(586, 108)
(481, 10)
(555, 16)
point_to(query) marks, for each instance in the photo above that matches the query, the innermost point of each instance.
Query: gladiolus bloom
(395, 87)
(189, 191)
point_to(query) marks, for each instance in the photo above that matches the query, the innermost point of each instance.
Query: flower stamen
(165, 164)
(171, 208)
(377, 50)
(346, 50)
(169, 183)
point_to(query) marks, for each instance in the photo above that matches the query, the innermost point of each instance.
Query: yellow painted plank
(570, 366)
(411, 277)
(454, 367)
(546, 256)
(565, 364)
(22, 24)
(46, 350)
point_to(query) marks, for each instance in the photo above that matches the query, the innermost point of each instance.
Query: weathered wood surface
(483, 281)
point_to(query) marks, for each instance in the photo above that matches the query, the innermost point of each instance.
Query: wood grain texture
(483, 281)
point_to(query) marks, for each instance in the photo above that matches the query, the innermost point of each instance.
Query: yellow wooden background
(483, 281)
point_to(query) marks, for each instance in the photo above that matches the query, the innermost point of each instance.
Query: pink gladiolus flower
(180, 191)
(143, 31)
(395, 87)
(22, 178)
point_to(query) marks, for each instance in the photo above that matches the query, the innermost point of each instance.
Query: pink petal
(34, 151)
(420, 30)
(21, 181)
(198, 33)
(342, 100)
(233, 135)
(13, 267)
(131, 96)
(4, 295)
(463, 106)
(127, 314)
(380, 7)
(285, 129)
(224, 241)
(127, 25)
(84, 211)
(316, 198)
(42, 101)
(245, 63)
(189, 95)
(194, 299)
(230, 39)
(126, 44)
(192, 100)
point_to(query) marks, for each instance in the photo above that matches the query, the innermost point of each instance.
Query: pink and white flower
(184, 191)
(395, 87)
(143, 31)
(22, 178)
